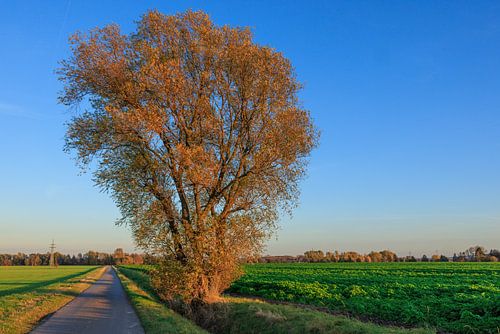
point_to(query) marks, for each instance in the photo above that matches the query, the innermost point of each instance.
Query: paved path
(101, 309)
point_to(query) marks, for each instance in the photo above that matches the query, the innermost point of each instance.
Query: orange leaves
(200, 166)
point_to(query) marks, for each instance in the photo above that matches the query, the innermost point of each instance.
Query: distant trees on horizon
(89, 258)
(477, 254)
(472, 254)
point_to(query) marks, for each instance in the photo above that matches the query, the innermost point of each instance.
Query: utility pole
(52, 261)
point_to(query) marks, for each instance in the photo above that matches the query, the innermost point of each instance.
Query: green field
(452, 297)
(19, 279)
(29, 293)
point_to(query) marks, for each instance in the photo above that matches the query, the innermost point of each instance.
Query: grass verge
(21, 310)
(155, 316)
(240, 315)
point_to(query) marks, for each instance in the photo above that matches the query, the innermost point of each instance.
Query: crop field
(451, 297)
(29, 293)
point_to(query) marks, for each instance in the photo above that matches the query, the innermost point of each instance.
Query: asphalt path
(103, 308)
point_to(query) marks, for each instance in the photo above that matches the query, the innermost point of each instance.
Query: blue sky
(406, 95)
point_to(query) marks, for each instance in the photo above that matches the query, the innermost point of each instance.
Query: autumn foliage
(198, 134)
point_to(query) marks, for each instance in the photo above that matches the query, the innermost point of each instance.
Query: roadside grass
(155, 316)
(242, 315)
(28, 294)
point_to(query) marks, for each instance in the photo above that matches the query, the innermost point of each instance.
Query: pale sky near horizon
(406, 95)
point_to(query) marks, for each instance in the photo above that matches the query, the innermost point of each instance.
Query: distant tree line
(88, 258)
(472, 254)
(477, 254)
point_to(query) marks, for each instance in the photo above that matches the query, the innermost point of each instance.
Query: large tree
(198, 134)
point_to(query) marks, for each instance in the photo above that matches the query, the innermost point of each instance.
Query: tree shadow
(37, 285)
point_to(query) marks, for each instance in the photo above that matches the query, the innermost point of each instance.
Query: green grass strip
(155, 317)
(249, 316)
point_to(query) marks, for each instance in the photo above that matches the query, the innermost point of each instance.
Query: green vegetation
(155, 316)
(453, 297)
(27, 294)
(242, 315)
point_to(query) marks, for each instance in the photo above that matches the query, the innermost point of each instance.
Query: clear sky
(405, 93)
